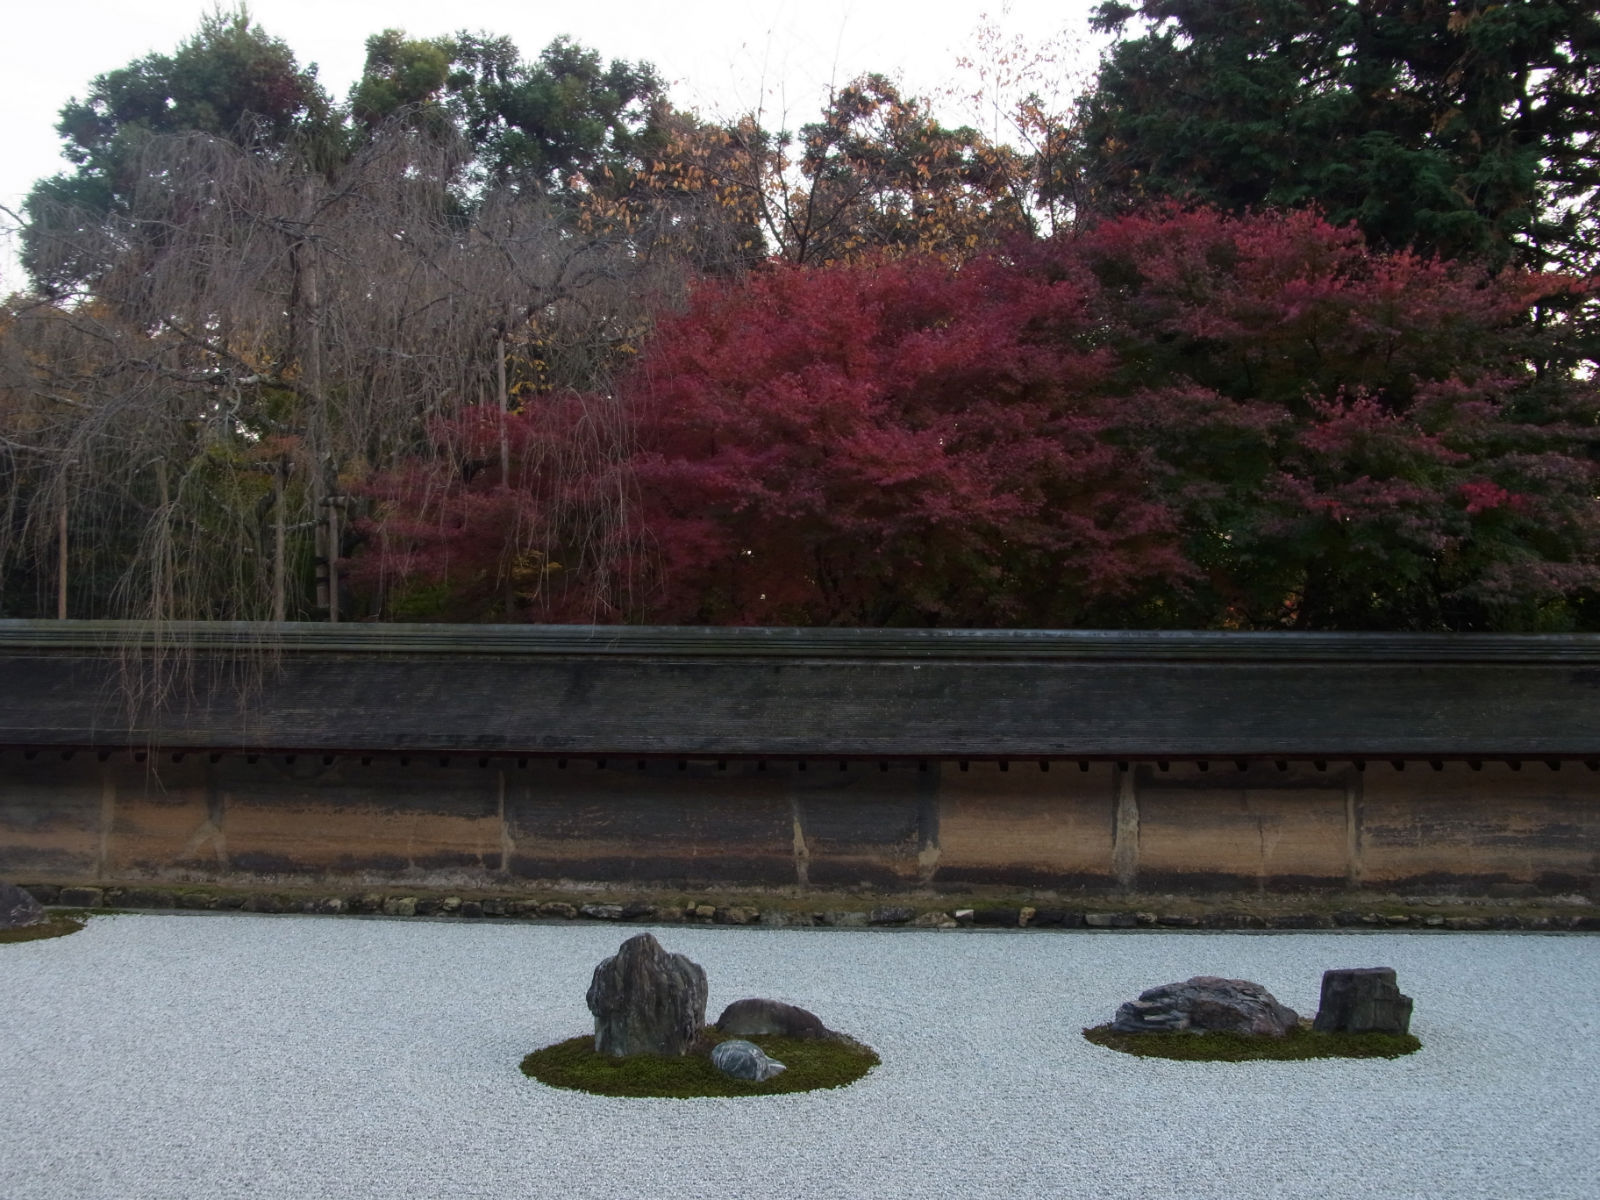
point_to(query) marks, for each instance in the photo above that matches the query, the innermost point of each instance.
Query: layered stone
(1206, 1004)
(1362, 1000)
(646, 1000)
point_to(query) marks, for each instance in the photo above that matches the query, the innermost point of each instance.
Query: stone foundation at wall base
(845, 910)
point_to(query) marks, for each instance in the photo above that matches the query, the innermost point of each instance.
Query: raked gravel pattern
(221, 1056)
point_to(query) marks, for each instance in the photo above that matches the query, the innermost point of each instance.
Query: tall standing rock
(18, 908)
(1362, 1000)
(646, 1001)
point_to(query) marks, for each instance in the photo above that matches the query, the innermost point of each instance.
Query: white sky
(721, 57)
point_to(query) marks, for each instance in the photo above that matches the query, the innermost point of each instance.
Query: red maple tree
(1350, 439)
(890, 443)
(1171, 419)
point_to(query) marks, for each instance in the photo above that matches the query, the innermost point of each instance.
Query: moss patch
(1300, 1043)
(55, 924)
(811, 1064)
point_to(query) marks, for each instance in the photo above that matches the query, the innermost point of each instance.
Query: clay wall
(893, 825)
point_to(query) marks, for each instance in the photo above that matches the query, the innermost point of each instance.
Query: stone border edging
(394, 904)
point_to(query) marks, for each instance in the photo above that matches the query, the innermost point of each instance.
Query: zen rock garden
(651, 1037)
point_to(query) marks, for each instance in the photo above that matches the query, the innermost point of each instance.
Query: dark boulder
(755, 1018)
(744, 1060)
(646, 1001)
(1362, 1000)
(18, 908)
(1008, 918)
(1206, 1004)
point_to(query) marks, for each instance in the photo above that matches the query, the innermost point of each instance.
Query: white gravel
(210, 1056)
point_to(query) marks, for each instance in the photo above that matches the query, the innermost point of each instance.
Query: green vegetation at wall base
(812, 1064)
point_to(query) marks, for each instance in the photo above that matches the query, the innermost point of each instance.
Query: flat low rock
(1362, 1000)
(1206, 1004)
(744, 1060)
(18, 908)
(646, 1001)
(756, 1017)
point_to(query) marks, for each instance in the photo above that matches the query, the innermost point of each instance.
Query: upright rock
(1206, 1004)
(1362, 1000)
(18, 908)
(646, 1001)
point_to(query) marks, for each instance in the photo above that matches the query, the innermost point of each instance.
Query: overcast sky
(721, 57)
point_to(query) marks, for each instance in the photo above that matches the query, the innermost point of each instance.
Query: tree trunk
(333, 559)
(61, 564)
(505, 460)
(160, 567)
(505, 408)
(280, 605)
(318, 434)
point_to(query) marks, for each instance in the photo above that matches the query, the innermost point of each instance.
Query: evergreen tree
(230, 80)
(1454, 128)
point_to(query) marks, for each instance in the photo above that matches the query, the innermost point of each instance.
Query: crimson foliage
(1351, 440)
(1172, 419)
(895, 443)
(456, 538)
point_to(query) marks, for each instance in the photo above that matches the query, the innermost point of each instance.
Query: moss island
(55, 924)
(1300, 1043)
(812, 1064)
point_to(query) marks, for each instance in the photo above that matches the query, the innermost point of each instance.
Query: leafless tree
(183, 438)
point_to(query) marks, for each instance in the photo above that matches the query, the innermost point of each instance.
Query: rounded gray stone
(755, 1017)
(744, 1060)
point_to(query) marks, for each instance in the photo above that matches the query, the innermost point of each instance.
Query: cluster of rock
(646, 1000)
(18, 908)
(1354, 1000)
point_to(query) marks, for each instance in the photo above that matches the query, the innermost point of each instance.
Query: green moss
(1241, 1047)
(55, 924)
(811, 1064)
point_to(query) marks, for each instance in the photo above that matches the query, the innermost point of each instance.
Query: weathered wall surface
(893, 825)
(488, 757)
